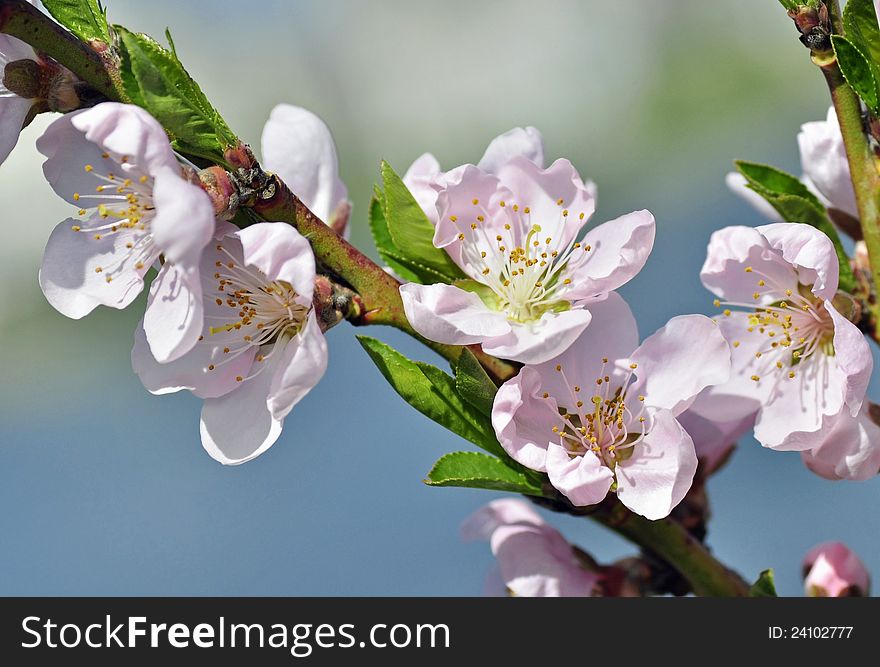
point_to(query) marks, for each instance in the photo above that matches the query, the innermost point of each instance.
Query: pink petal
(13, 111)
(660, 471)
(184, 221)
(80, 138)
(281, 253)
(549, 194)
(618, 251)
(191, 371)
(538, 562)
(853, 358)
(301, 368)
(612, 334)
(69, 275)
(173, 318)
(523, 420)
(734, 249)
(525, 142)
(801, 411)
(422, 181)
(581, 479)
(447, 314)
(809, 251)
(507, 511)
(740, 397)
(823, 159)
(850, 450)
(298, 146)
(457, 210)
(680, 360)
(239, 426)
(537, 342)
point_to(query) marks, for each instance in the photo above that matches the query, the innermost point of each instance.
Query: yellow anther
(791, 375)
(756, 378)
(76, 228)
(717, 303)
(89, 168)
(475, 201)
(748, 269)
(526, 210)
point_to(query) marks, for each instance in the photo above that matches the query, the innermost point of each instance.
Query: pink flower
(298, 146)
(261, 349)
(513, 228)
(850, 449)
(114, 161)
(602, 415)
(832, 570)
(797, 361)
(14, 110)
(534, 559)
(825, 170)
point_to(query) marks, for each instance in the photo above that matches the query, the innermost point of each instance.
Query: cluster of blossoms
(591, 407)
(229, 313)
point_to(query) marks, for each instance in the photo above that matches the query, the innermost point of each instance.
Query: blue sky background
(105, 489)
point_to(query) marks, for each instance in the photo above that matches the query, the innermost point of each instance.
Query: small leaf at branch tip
(857, 70)
(480, 471)
(155, 79)
(84, 18)
(765, 586)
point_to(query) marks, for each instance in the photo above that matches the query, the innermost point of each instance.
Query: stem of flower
(666, 539)
(862, 164)
(670, 541)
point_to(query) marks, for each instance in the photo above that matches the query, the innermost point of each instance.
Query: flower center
(796, 327)
(120, 205)
(605, 424)
(255, 311)
(521, 265)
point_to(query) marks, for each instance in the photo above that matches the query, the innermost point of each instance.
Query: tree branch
(862, 165)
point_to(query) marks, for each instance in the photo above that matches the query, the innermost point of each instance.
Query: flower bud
(240, 156)
(222, 190)
(24, 78)
(832, 570)
(814, 25)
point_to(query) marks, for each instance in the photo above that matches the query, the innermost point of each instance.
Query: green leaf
(480, 471)
(857, 71)
(433, 393)
(84, 18)
(389, 253)
(155, 79)
(764, 587)
(410, 230)
(775, 180)
(860, 24)
(473, 384)
(789, 200)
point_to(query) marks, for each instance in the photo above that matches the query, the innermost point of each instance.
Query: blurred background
(105, 489)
